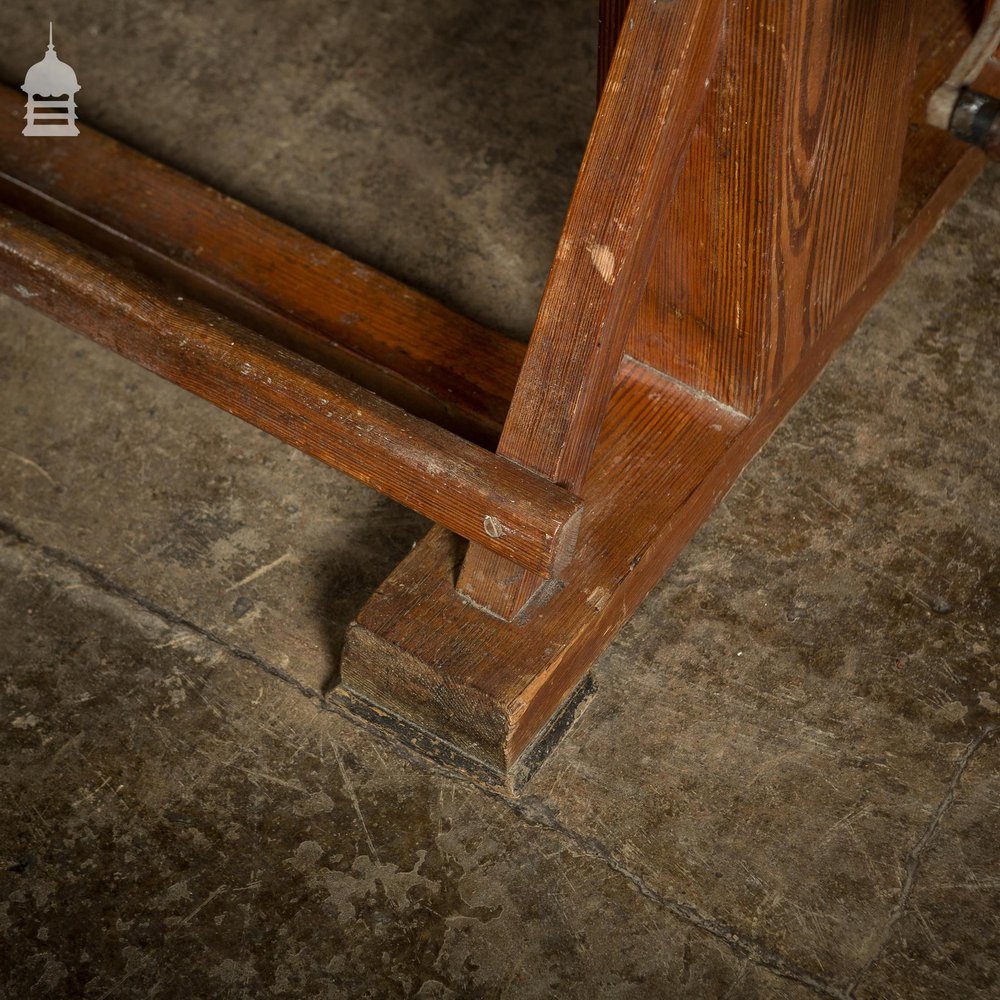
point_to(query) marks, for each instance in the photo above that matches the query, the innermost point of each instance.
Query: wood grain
(411, 460)
(666, 453)
(610, 18)
(665, 459)
(312, 299)
(488, 685)
(654, 93)
(786, 200)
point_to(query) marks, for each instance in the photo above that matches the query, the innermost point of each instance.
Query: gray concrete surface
(786, 784)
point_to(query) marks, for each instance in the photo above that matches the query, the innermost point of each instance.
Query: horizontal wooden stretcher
(757, 174)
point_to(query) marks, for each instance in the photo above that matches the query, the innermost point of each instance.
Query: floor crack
(537, 813)
(918, 851)
(103, 582)
(528, 810)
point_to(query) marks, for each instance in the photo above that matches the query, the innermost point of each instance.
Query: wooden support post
(786, 201)
(653, 98)
(779, 238)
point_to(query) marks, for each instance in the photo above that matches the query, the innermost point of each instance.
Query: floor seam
(534, 812)
(109, 585)
(527, 809)
(916, 855)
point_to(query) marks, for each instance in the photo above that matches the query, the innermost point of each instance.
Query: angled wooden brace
(653, 97)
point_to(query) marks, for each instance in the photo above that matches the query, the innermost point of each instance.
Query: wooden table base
(757, 175)
(492, 689)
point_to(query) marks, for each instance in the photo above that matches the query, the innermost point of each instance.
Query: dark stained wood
(489, 685)
(294, 290)
(421, 465)
(665, 458)
(786, 199)
(810, 261)
(650, 104)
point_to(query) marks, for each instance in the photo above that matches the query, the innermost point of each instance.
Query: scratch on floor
(24, 460)
(208, 899)
(293, 786)
(917, 853)
(91, 793)
(257, 573)
(349, 786)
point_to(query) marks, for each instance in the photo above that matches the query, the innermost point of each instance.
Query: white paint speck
(598, 597)
(604, 260)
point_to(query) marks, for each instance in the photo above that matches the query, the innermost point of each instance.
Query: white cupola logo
(51, 78)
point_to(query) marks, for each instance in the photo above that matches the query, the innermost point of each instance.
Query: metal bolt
(492, 526)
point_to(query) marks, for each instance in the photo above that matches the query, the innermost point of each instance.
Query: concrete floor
(788, 781)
